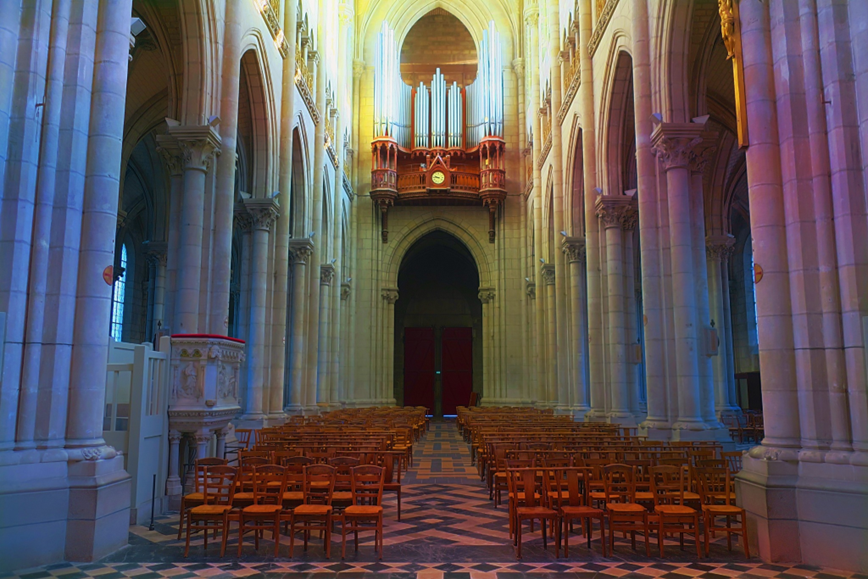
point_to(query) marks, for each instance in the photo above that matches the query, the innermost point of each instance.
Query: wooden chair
(733, 460)
(515, 499)
(197, 497)
(625, 515)
(523, 482)
(366, 512)
(218, 486)
(569, 495)
(243, 443)
(673, 516)
(315, 513)
(269, 485)
(343, 495)
(391, 462)
(714, 484)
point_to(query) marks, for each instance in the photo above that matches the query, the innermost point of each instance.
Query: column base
(622, 418)
(579, 412)
(563, 409)
(275, 418)
(252, 421)
(807, 512)
(595, 415)
(655, 429)
(294, 409)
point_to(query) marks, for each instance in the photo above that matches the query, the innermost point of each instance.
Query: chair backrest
(243, 436)
(202, 465)
(619, 483)
(524, 482)
(343, 471)
(667, 484)
(218, 485)
(367, 484)
(319, 484)
(250, 459)
(712, 481)
(569, 486)
(269, 484)
(733, 460)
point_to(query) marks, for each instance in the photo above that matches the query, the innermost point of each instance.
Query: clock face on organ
(438, 177)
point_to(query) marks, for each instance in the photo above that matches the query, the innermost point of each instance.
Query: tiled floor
(448, 529)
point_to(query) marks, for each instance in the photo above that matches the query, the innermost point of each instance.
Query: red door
(419, 367)
(457, 372)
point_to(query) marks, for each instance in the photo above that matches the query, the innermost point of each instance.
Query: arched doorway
(438, 325)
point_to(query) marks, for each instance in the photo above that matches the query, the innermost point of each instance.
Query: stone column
(157, 256)
(98, 227)
(673, 143)
(220, 450)
(326, 278)
(224, 190)
(390, 296)
(173, 481)
(173, 162)
(592, 235)
(203, 439)
(649, 234)
(719, 249)
(490, 390)
(631, 332)
(574, 248)
(616, 212)
(261, 214)
(300, 252)
(345, 393)
(548, 276)
(198, 145)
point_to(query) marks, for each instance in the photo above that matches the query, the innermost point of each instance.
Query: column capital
(486, 295)
(175, 436)
(359, 68)
(300, 250)
(170, 152)
(703, 152)
(617, 211)
(345, 14)
(242, 219)
(157, 251)
(345, 291)
(199, 145)
(673, 143)
(263, 212)
(390, 295)
(326, 274)
(548, 273)
(518, 67)
(531, 17)
(530, 289)
(720, 247)
(573, 248)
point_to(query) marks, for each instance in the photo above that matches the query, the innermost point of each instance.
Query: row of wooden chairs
(303, 503)
(563, 495)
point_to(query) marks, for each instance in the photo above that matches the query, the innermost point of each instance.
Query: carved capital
(390, 295)
(199, 145)
(359, 68)
(719, 247)
(263, 213)
(326, 274)
(703, 152)
(300, 250)
(530, 289)
(674, 142)
(170, 152)
(574, 248)
(518, 67)
(548, 273)
(531, 18)
(617, 211)
(174, 437)
(345, 14)
(242, 219)
(486, 295)
(345, 291)
(157, 251)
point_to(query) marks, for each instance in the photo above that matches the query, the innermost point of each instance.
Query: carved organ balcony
(438, 144)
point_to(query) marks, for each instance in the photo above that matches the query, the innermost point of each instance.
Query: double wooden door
(425, 361)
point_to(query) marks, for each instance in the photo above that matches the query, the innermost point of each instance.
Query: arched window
(118, 295)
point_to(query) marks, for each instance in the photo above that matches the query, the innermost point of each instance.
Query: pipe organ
(438, 144)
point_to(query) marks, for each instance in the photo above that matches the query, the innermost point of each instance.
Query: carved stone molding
(617, 211)
(345, 291)
(603, 17)
(300, 250)
(263, 212)
(530, 289)
(531, 18)
(518, 67)
(359, 68)
(719, 247)
(242, 221)
(674, 142)
(574, 248)
(199, 145)
(170, 152)
(486, 295)
(703, 152)
(390, 295)
(326, 274)
(548, 273)
(157, 252)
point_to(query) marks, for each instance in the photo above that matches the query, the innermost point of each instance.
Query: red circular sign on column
(108, 275)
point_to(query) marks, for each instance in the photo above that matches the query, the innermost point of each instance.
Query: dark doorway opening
(438, 326)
